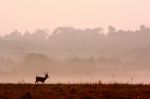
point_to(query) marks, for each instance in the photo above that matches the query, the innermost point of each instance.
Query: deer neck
(45, 78)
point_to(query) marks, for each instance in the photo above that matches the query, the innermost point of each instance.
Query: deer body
(41, 79)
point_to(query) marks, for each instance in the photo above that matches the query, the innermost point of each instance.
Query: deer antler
(44, 72)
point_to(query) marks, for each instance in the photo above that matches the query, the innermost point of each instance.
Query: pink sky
(32, 14)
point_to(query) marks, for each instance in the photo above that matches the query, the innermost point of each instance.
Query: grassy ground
(74, 91)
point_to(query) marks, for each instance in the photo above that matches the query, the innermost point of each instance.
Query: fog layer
(75, 55)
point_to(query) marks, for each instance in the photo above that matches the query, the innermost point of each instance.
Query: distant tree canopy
(72, 41)
(41, 34)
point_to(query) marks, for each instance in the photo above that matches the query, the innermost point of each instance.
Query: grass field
(74, 91)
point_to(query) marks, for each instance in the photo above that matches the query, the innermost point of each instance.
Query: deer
(42, 79)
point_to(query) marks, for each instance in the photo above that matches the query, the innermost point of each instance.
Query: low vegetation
(74, 91)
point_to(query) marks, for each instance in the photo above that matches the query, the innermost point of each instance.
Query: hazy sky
(32, 14)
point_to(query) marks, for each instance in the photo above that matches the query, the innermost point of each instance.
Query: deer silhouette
(42, 79)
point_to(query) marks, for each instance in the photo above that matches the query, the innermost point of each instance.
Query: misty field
(74, 91)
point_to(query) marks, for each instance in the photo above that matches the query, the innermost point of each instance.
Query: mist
(71, 54)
